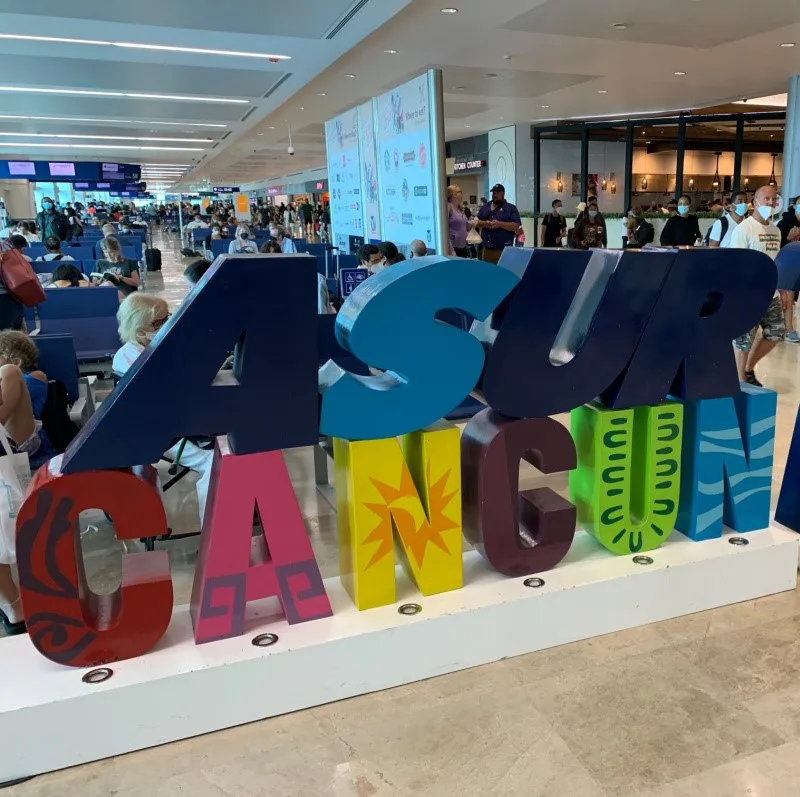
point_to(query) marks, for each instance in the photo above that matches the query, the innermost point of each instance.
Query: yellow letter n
(409, 495)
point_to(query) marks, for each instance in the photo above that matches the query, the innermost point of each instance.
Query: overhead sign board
(468, 164)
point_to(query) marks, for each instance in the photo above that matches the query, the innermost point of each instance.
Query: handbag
(19, 278)
(15, 476)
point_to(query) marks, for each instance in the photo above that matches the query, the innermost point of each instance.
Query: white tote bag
(15, 476)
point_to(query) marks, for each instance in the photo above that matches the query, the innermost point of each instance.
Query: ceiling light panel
(111, 138)
(22, 145)
(127, 94)
(98, 120)
(143, 46)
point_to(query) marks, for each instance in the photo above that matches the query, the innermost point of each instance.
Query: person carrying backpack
(721, 231)
(51, 223)
(640, 231)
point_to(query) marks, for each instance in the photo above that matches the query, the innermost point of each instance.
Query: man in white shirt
(53, 246)
(757, 232)
(196, 224)
(722, 231)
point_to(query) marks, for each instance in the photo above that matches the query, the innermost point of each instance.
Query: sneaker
(750, 378)
(792, 337)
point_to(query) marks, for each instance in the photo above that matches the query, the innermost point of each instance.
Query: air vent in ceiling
(276, 85)
(346, 19)
(249, 111)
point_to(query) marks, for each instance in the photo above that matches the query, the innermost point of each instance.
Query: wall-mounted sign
(316, 186)
(468, 164)
(276, 190)
(226, 189)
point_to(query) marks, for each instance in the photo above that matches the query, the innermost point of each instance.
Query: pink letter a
(234, 567)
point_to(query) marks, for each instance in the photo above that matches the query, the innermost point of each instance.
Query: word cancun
(636, 345)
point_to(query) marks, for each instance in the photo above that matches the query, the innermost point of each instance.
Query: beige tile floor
(703, 706)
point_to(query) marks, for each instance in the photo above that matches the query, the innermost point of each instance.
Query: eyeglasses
(159, 322)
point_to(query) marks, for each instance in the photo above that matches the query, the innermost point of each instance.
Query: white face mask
(765, 211)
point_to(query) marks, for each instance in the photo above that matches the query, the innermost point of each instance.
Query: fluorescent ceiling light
(23, 144)
(140, 95)
(139, 46)
(112, 138)
(110, 121)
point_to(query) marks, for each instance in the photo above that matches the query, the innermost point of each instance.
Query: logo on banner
(423, 155)
(409, 157)
(420, 190)
(405, 191)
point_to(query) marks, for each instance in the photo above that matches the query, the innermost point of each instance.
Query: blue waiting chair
(88, 314)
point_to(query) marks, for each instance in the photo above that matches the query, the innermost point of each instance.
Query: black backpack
(645, 233)
(59, 427)
(724, 224)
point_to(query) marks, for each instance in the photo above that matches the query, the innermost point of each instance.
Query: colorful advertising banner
(344, 180)
(408, 209)
(369, 172)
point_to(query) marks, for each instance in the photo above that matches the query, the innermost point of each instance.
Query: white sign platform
(50, 719)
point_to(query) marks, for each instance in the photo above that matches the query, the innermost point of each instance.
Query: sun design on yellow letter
(403, 506)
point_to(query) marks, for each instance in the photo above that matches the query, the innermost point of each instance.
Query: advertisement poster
(344, 180)
(369, 172)
(408, 204)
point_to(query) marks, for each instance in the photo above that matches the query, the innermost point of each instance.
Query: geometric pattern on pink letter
(233, 567)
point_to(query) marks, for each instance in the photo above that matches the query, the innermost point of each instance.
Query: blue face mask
(741, 209)
(592, 213)
(47, 205)
(683, 209)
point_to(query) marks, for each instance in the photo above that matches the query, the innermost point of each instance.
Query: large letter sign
(637, 345)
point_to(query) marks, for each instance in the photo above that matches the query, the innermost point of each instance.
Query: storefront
(470, 174)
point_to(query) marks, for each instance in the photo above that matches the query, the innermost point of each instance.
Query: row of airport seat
(131, 249)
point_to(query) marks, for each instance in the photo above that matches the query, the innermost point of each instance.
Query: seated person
(241, 244)
(109, 230)
(390, 253)
(271, 247)
(116, 269)
(286, 244)
(23, 393)
(68, 276)
(417, 248)
(370, 257)
(53, 246)
(25, 229)
(20, 243)
(216, 232)
(194, 271)
(140, 317)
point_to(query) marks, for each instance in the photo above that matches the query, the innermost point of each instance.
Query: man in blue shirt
(499, 223)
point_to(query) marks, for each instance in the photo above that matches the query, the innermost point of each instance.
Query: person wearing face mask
(589, 231)
(554, 226)
(50, 222)
(721, 233)
(682, 229)
(789, 225)
(242, 243)
(757, 232)
(498, 223)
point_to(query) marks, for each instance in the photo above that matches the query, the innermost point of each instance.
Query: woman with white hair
(242, 244)
(109, 229)
(140, 317)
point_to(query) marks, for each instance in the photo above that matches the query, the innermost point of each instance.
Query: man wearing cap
(499, 223)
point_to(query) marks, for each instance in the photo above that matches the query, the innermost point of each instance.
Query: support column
(790, 179)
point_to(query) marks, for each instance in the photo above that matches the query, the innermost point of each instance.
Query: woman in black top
(683, 229)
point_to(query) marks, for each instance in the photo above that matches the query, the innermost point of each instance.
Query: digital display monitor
(62, 169)
(22, 168)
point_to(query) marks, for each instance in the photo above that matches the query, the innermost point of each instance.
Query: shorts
(772, 323)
